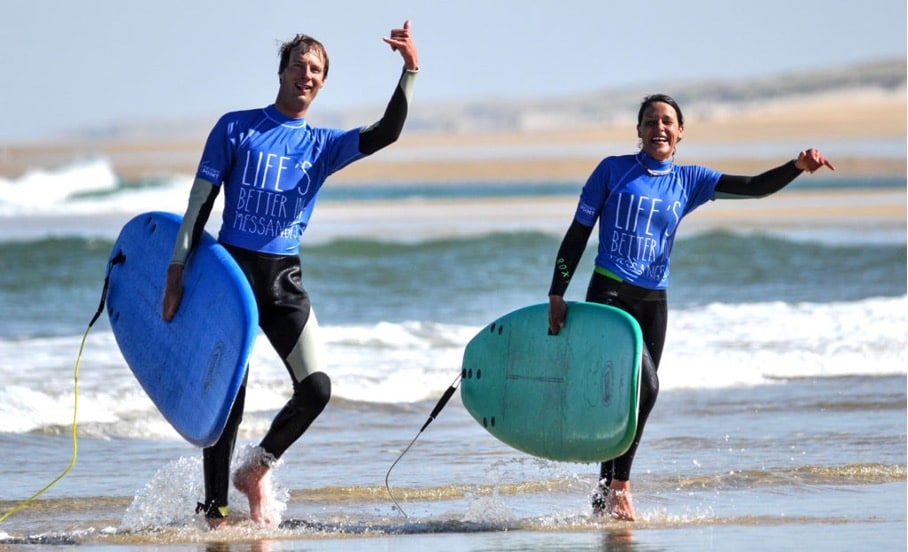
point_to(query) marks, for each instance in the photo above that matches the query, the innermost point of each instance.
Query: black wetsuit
(285, 313)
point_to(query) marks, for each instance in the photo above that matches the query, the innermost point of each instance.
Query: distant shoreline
(823, 211)
(862, 130)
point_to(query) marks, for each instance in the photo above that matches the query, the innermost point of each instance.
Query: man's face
(301, 80)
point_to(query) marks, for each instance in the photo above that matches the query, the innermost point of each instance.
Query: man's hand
(173, 292)
(402, 41)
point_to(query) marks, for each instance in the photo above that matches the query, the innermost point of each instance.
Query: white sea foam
(724, 345)
(713, 346)
(89, 186)
(39, 189)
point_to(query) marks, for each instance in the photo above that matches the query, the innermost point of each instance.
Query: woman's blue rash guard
(644, 211)
(639, 214)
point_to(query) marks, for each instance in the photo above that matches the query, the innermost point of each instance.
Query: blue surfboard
(569, 397)
(191, 367)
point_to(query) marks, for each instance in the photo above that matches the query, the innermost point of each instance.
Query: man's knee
(313, 392)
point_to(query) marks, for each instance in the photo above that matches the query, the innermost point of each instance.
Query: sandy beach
(862, 130)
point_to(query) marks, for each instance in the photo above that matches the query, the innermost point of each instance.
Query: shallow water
(781, 421)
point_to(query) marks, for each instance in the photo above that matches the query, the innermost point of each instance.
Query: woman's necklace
(653, 172)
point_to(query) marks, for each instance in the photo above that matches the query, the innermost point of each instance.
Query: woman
(638, 201)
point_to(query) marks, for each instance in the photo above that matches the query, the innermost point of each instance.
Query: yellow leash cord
(116, 260)
(72, 462)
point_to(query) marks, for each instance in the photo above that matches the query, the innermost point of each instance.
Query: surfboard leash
(445, 397)
(116, 260)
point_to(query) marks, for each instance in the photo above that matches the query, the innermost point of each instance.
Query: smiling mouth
(303, 88)
(660, 142)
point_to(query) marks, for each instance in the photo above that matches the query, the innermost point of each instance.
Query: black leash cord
(445, 397)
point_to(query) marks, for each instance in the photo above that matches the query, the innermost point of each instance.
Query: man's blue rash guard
(641, 213)
(274, 166)
(271, 188)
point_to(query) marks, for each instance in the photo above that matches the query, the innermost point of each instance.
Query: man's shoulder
(243, 115)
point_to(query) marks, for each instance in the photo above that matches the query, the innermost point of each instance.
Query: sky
(69, 65)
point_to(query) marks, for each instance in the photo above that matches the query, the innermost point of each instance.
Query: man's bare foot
(216, 522)
(214, 516)
(252, 479)
(619, 504)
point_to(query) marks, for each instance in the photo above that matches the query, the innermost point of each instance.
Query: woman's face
(659, 130)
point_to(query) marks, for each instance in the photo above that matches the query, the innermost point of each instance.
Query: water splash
(169, 499)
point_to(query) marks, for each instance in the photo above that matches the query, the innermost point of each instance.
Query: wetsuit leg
(284, 315)
(620, 468)
(287, 320)
(310, 397)
(649, 309)
(216, 460)
(295, 336)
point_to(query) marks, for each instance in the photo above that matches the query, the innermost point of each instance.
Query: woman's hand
(557, 312)
(812, 160)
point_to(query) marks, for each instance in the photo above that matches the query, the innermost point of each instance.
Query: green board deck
(568, 397)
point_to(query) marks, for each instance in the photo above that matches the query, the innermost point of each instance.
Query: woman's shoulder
(623, 158)
(696, 170)
(615, 161)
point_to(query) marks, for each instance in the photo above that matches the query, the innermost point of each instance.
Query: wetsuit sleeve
(387, 129)
(201, 200)
(569, 254)
(771, 181)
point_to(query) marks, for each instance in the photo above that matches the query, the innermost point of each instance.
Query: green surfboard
(569, 397)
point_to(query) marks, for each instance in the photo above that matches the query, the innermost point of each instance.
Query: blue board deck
(570, 397)
(192, 366)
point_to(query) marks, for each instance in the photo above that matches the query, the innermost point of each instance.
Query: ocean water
(781, 419)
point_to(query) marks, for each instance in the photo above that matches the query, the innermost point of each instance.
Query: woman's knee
(649, 382)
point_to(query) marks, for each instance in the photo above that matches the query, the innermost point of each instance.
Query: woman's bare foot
(619, 501)
(252, 479)
(599, 498)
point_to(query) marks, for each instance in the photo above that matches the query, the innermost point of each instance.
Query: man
(271, 164)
